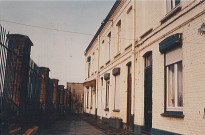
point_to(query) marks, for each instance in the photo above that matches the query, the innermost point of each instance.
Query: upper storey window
(119, 36)
(109, 43)
(172, 4)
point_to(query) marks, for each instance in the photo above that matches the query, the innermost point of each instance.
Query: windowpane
(169, 5)
(177, 2)
(117, 91)
(107, 94)
(148, 61)
(171, 86)
(179, 81)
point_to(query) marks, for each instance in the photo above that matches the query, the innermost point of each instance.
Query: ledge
(101, 67)
(118, 54)
(116, 110)
(146, 33)
(107, 62)
(171, 14)
(106, 109)
(128, 47)
(173, 114)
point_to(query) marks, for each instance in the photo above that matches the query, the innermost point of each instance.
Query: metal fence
(23, 86)
(20, 84)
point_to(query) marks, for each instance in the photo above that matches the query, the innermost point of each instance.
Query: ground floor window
(174, 85)
(107, 94)
(87, 96)
(117, 92)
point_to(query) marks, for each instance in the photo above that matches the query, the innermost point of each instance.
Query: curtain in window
(171, 86)
(179, 81)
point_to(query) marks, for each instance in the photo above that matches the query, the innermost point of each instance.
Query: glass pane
(177, 2)
(148, 60)
(179, 87)
(169, 5)
(117, 92)
(171, 86)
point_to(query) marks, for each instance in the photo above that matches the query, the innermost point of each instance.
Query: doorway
(148, 92)
(129, 90)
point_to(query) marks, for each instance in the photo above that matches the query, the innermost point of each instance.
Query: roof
(103, 24)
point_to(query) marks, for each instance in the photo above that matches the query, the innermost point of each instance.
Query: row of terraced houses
(145, 66)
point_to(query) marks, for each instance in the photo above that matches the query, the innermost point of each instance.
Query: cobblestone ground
(81, 125)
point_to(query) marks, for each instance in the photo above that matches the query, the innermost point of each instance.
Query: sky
(62, 49)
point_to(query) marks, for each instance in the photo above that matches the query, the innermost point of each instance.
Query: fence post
(23, 46)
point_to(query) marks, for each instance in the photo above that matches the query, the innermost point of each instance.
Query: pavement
(72, 124)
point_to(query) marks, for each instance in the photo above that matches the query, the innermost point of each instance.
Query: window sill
(171, 14)
(101, 67)
(129, 46)
(116, 110)
(173, 114)
(118, 54)
(107, 62)
(106, 109)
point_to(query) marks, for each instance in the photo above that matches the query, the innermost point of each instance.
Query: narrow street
(71, 125)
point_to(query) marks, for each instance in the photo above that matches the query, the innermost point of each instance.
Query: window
(172, 4)
(91, 97)
(119, 36)
(109, 42)
(129, 25)
(117, 92)
(174, 85)
(88, 69)
(148, 60)
(107, 94)
(87, 96)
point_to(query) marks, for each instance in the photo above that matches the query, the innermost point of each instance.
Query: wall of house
(192, 61)
(149, 14)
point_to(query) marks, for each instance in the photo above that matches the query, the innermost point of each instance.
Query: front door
(129, 88)
(148, 93)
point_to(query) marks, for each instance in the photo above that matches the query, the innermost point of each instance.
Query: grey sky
(62, 52)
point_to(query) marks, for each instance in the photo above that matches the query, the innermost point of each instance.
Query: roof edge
(103, 24)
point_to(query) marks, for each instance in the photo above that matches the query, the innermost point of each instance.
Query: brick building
(144, 67)
(76, 96)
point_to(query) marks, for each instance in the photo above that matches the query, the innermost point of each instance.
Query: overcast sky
(62, 52)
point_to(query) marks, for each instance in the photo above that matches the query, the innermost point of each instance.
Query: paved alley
(71, 126)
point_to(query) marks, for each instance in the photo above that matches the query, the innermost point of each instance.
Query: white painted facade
(143, 26)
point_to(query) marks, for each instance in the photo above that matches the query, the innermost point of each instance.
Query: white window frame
(109, 44)
(176, 107)
(119, 32)
(171, 4)
(107, 94)
(117, 93)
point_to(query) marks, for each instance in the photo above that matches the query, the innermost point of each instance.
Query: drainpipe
(97, 79)
(133, 56)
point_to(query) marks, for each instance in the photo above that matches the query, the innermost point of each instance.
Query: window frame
(173, 5)
(176, 108)
(87, 97)
(115, 94)
(107, 94)
(109, 44)
(119, 32)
